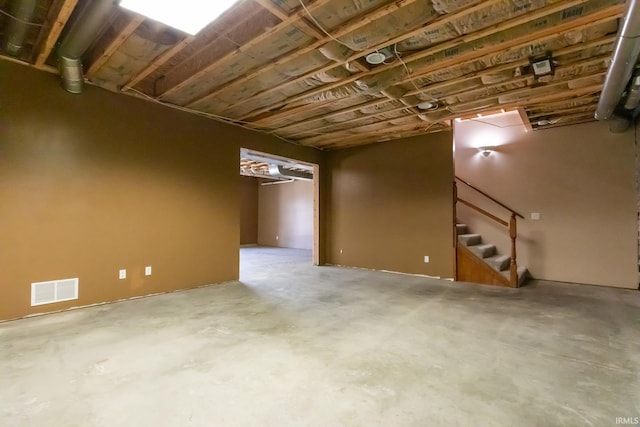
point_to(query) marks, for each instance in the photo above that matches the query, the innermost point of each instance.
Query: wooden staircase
(479, 262)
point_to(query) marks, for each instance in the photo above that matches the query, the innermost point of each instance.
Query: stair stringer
(473, 269)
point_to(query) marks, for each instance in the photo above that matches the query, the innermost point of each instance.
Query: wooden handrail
(483, 212)
(512, 225)
(489, 197)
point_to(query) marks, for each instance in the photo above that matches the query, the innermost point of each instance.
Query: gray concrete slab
(297, 345)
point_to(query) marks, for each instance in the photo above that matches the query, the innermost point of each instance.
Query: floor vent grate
(54, 291)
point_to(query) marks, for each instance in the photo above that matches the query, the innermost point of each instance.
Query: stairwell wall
(581, 179)
(391, 203)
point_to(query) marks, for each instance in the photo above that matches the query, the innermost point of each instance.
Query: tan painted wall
(581, 181)
(96, 182)
(286, 212)
(248, 210)
(391, 204)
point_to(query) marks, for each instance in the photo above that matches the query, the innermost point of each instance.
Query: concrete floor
(296, 345)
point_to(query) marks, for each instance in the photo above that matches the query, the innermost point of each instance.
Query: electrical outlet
(277, 237)
(535, 216)
(147, 270)
(340, 250)
(426, 259)
(122, 274)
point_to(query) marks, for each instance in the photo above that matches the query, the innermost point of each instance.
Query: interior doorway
(279, 206)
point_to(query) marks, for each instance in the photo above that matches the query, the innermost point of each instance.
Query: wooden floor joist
(611, 12)
(55, 29)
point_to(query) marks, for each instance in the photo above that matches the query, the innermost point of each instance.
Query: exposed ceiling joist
(123, 28)
(58, 22)
(302, 73)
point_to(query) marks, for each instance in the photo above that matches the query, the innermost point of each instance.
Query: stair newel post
(513, 268)
(455, 230)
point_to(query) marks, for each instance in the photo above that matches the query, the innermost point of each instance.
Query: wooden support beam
(436, 86)
(495, 105)
(524, 118)
(390, 132)
(185, 43)
(158, 62)
(336, 113)
(269, 120)
(604, 15)
(586, 119)
(586, 21)
(58, 23)
(580, 108)
(302, 24)
(590, 102)
(193, 75)
(123, 28)
(570, 117)
(354, 25)
(348, 27)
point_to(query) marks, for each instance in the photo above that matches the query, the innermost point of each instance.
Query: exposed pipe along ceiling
(333, 74)
(621, 92)
(91, 22)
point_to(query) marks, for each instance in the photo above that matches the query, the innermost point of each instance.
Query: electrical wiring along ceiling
(340, 73)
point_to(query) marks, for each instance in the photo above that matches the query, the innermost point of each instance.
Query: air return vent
(54, 291)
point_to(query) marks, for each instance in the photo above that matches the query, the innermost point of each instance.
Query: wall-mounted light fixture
(486, 151)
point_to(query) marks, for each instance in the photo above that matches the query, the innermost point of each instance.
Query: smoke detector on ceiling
(427, 105)
(375, 58)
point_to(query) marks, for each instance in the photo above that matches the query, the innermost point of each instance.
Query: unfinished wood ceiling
(299, 69)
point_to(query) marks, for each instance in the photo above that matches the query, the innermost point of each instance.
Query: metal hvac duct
(90, 23)
(625, 55)
(633, 97)
(280, 172)
(22, 11)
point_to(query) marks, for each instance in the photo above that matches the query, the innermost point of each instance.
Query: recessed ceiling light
(426, 105)
(375, 58)
(189, 16)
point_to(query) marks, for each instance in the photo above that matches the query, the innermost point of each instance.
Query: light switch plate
(535, 216)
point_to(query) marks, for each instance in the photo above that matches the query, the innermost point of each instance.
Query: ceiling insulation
(298, 68)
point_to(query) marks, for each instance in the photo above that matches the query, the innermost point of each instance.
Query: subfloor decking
(297, 345)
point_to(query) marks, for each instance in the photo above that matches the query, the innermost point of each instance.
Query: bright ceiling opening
(189, 16)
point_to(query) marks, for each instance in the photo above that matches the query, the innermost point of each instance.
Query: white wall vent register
(54, 291)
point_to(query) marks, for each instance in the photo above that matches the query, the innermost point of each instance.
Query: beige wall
(248, 210)
(96, 182)
(391, 204)
(285, 217)
(581, 181)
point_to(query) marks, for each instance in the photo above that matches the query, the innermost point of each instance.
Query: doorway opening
(279, 209)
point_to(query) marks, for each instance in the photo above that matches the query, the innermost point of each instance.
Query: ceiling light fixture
(426, 105)
(542, 65)
(376, 58)
(189, 16)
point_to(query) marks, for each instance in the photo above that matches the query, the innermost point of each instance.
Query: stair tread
(499, 262)
(462, 229)
(522, 273)
(470, 239)
(488, 253)
(484, 250)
